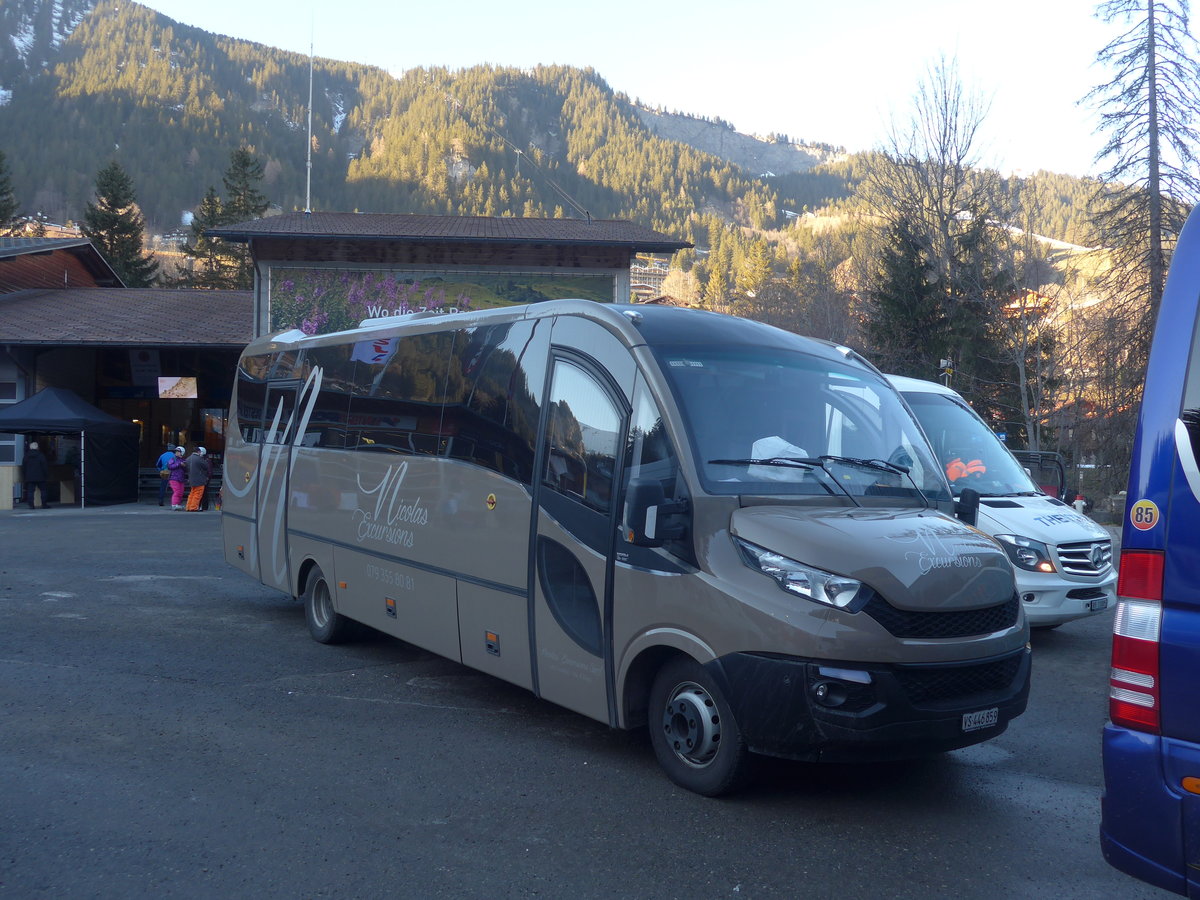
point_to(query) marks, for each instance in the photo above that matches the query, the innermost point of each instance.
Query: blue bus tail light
(1133, 690)
(1141, 574)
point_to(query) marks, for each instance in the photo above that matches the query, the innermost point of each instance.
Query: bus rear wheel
(693, 731)
(325, 624)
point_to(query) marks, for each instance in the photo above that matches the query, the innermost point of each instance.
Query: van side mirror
(966, 507)
(646, 511)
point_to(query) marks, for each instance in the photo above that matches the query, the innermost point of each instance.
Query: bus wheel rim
(322, 607)
(692, 724)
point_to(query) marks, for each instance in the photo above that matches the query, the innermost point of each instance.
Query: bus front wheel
(693, 731)
(324, 623)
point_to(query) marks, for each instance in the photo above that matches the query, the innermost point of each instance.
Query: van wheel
(325, 624)
(693, 732)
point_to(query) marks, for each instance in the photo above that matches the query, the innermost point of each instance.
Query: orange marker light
(342, 584)
(1191, 784)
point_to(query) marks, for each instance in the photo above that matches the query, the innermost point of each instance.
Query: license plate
(1101, 603)
(984, 718)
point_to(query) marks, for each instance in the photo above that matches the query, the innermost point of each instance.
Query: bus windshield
(782, 422)
(969, 451)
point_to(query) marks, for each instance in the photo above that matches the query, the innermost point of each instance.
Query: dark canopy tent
(109, 446)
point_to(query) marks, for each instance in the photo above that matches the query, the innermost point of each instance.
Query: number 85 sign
(1143, 515)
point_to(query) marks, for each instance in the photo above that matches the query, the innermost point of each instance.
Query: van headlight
(804, 581)
(1026, 553)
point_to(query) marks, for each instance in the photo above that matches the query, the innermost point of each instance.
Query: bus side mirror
(966, 507)
(646, 509)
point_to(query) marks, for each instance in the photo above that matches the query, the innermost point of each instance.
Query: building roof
(127, 317)
(454, 229)
(31, 263)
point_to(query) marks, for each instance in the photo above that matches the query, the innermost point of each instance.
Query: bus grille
(907, 623)
(940, 684)
(1085, 557)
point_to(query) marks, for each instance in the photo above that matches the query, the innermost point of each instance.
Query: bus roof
(921, 386)
(652, 325)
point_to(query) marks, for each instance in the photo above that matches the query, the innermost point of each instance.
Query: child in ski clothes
(199, 468)
(178, 469)
(164, 462)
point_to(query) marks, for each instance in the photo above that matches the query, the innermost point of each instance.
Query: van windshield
(969, 451)
(770, 421)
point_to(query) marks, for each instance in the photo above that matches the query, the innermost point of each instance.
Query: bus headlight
(1026, 553)
(804, 581)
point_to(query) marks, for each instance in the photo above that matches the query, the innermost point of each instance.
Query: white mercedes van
(1063, 560)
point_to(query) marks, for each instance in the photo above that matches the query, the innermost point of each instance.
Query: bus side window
(279, 420)
(397, 402)
(650, 454)
(649, 451)
(491, 409)
(582, 437)
(251, 396)
(327, 425)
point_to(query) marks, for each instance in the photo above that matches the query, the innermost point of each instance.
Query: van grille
(940, 684)
(907, 623)
(1085, 557)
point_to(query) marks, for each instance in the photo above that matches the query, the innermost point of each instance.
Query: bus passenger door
(271, 498)
(577, 497)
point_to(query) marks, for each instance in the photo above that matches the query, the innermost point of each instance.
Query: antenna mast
(308, 164)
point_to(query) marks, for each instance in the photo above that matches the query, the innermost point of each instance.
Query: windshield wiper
(802, 462)
(881, 465)
(870, 463)
(791, 462)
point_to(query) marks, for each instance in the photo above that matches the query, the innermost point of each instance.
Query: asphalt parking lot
(168, 729)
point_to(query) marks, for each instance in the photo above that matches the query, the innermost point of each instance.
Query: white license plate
(984, 718)
(1101, 603)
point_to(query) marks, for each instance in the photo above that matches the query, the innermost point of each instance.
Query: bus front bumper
(812, 710)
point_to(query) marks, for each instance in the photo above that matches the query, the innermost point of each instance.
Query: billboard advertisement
(324, 300)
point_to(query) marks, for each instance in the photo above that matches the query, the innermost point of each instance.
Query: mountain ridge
(87, 81)
(752, 154)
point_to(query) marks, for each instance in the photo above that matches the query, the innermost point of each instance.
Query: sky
(841, 73)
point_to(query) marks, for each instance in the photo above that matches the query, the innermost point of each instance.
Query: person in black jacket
(35, 471)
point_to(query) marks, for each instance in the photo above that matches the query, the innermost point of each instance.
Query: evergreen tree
(8, 200)
(755, 271)
(115, 226)
(243, 201)
(908, 326)
(938, 217)
(214, 264)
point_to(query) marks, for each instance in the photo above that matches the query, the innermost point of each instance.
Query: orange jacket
(956, 468)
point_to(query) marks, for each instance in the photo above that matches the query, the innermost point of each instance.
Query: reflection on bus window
(582, 437)
(746, 407)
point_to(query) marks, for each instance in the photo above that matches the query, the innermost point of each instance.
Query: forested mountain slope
(83, 82)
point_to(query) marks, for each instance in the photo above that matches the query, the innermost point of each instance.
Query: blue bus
(1150, 824)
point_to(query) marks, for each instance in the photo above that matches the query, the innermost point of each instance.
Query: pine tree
(243, 201)
(214, 263)
(937, 216)
(114, 224)
(8, 200)
(908, 326)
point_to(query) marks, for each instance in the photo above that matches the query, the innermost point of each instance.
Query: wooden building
(325, 271)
